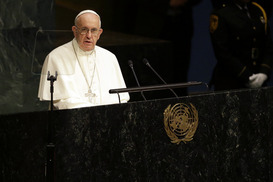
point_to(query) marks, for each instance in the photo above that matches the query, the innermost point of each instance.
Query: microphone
(146, 62)
(130, 62)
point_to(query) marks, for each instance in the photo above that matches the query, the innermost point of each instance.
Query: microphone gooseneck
(130, 63)
(146, 62)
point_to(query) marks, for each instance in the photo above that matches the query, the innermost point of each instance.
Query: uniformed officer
(242, 45)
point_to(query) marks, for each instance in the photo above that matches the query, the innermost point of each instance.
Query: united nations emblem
(180, 122)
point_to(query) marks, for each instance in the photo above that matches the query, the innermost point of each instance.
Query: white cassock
(84, 78)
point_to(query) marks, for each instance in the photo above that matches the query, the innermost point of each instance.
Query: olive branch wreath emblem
(180, 122)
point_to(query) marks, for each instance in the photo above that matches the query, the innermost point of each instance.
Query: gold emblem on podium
(180, 122)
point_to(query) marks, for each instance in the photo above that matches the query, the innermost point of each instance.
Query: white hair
(87, 11)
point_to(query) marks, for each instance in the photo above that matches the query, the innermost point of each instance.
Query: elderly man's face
(87, 31)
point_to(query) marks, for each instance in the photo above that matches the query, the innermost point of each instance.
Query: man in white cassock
(86, 71)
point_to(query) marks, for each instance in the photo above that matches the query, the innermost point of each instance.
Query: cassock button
(238, 38)
(254, 28)
(254, 39)
(254, 63)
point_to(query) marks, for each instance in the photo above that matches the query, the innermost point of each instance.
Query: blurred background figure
(179, 29)
(170, 20)
(242, 45)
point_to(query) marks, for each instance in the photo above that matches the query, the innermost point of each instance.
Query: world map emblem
(180, 122)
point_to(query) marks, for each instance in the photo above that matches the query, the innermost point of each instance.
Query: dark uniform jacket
(242, 45)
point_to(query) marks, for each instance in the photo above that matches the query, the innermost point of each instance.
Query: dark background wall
(19, 21)
(23, 50)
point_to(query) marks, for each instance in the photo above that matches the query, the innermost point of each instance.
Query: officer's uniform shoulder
(216, 14)
(225, 8)
(258, 8)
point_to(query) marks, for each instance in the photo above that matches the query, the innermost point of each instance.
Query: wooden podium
(232, 141)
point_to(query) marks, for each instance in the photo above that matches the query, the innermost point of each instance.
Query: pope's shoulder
(62, 49)
(103, 51)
